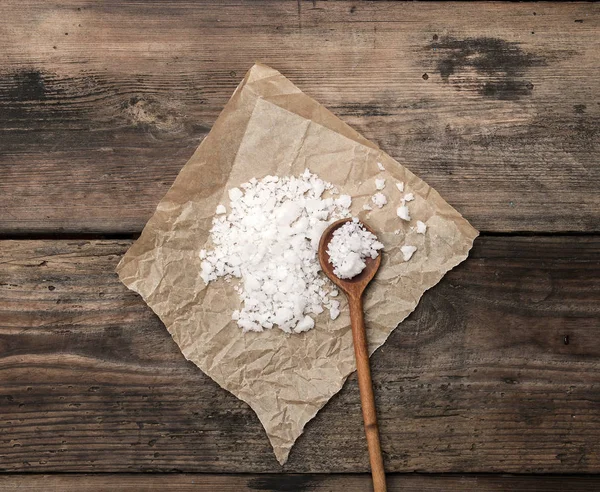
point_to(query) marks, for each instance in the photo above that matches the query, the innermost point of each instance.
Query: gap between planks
(296, 482)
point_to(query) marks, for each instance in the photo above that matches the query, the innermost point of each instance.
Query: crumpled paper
(269, 126)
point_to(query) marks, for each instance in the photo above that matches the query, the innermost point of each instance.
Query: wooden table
(492, 384)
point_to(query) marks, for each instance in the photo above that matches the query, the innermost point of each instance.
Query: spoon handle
(365, 385)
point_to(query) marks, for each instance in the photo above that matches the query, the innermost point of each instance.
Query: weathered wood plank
(295, 483)
(495, 105)
(479, 379)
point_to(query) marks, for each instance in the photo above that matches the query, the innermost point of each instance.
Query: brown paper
(270, 127)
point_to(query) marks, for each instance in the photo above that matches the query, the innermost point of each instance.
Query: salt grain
(421, 227)
(402, 212)
(344, 201)
(235, 194)
(334, 309)
(407, 252)
(379, 200)
(400, 186)
(380, 184)
(380, 166)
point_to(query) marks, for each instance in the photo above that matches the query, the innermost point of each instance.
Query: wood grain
(495, 105)
(294, 483)
(498, 370)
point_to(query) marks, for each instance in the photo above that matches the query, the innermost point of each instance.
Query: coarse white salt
(304, 324)
(269, 242)
(407, 252)
(235, 194)
(421, 227)
(402, 212)
(344, 201)
(220, 210)
(334, 309)
(400, 186)
(366, 206)
(380, 184)
(379, 200)
(409, 197)
(349, 246)
(380, 166)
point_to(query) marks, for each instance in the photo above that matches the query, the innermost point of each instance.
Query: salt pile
(269, 240)
(350, 245)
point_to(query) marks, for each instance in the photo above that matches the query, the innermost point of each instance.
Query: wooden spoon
(354, 288)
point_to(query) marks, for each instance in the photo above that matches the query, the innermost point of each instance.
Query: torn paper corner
(270, 127)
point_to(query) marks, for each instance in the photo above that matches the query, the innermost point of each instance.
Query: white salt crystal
(350, 245)
(344, 201)
(407, 252)
(287, 213)
(366, 206)
(379, 199)
(304, 325)
(421, 227)
(409, 197)
(235, 194)
(334, 309)
(403, 212)
(220, 210)
(380, 166)
(400, 186)
(380, 184)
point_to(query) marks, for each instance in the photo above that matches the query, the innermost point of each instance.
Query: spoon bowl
(354, 286)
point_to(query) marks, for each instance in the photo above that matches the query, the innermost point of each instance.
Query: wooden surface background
(497, 371)
(102, 102)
